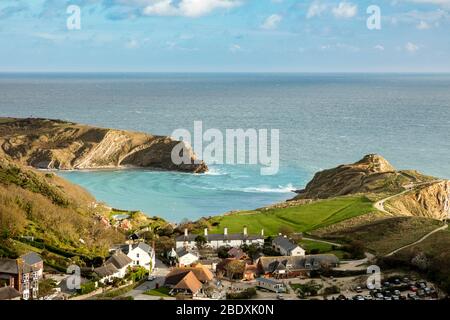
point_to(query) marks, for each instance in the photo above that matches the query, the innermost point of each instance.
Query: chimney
(262, 232)
(206, 232)
(225, 231)
(245, 231)
(185, 232)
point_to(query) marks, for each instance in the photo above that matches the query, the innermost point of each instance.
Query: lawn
(301, 218)
(160, 292)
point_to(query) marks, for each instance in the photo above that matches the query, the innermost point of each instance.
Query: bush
(87, 287)
(243, 295)
(331, 290)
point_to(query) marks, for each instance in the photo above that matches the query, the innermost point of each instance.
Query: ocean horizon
(324, 120)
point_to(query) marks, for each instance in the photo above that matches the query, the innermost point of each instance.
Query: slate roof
(119, 260)
(10, 266)
(183, 251)
(293, 263)
(8, 293)
(237, 253)
(142, 245)
(219, 237)
(31, 258)
(284, 243)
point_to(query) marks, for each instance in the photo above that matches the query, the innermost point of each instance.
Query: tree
(234, 268)
(286, 230)
(200, 240)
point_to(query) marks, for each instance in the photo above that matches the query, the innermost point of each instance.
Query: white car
(151, 278)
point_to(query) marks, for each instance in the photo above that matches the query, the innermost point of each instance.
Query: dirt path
(323, 241)
(379, 205)
(418, 241)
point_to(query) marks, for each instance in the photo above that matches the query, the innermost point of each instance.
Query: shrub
(243, 295)
(87, 287)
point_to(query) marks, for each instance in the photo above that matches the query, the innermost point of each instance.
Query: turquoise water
(324, 120)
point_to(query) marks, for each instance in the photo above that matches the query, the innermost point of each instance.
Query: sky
(224, 36)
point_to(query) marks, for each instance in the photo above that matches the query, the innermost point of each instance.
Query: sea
(323, 120)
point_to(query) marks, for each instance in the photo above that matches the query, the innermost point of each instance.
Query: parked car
(397, 292)
(280, 297)
(387, 298)
(358, 297)
(151, 278)
(387, 284)
(413, 288)
(421, 293)
(368, 297)
(358, 289)
(379, 295)
(395, 297)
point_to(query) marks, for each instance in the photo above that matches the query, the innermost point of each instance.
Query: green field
(301, 218)
(160, 292)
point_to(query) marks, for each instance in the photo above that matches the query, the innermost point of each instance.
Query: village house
(237, 253)
(34, 260)
(9, 293)
(188, 280)
(17, 274)
(216, 241)
(186, 257)
(141, 254)
(115, 267)
(233, 268)
(293, 266)
(286, 247)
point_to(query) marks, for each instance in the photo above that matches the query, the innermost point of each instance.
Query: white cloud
(272, 22)
(187, 8)
(316, 9)
(445, 3)
(411, 47)
(379, 47)
(423, 25)
(345, 10)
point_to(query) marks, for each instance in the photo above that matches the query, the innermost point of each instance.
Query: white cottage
(286, 247)
(216, 241)
(141, 254)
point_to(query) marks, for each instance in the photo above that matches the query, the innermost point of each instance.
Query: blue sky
(225, 35)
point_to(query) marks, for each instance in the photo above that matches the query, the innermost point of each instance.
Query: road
(160, 273)
(323, 241)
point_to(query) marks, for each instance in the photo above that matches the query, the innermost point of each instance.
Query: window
(26, 295)
(26, 277)
(26, 286)
(137, 255)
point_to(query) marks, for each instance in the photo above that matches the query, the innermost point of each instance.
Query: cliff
(55, 144)
(430, 201)
(372, 174)
(401, 193)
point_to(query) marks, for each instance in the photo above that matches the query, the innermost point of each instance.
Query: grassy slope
(386, 234)
(48, 208)
(300, 218)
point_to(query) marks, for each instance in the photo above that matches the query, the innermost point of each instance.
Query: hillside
(55, 144)
(50, 209)
(371, 174)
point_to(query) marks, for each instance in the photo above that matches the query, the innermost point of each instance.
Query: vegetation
(310, 288)
(243, 295)
(51, 210)
(160, 292)
(299, 218)
(431, 258)
(385, 235)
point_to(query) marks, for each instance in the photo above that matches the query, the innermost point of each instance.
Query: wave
(261, 189)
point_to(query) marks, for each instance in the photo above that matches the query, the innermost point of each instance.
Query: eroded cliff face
(54, 144)
(372, 174)
(430, 201)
